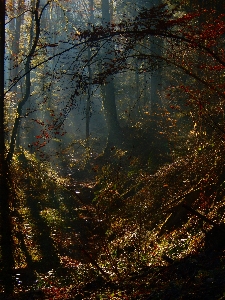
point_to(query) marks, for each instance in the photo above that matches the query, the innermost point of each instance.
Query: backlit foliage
(125, 205)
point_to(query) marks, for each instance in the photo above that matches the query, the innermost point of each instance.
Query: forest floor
(200, 276)
(60, 244)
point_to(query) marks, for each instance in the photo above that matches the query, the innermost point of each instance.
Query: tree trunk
(156, 77)
(15, 43)
(27, 84)
(5, 224)
(109, 99)
(88, 104)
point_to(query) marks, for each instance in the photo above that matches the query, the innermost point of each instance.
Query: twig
(204, 218)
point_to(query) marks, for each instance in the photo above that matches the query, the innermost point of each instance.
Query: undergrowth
(133, 226)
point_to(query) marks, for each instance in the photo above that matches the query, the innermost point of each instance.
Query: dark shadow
(7, 261)
(25, 277)
(29, 295)
(42, 236)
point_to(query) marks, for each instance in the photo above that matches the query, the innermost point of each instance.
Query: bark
(88, 104)
(156, 77)
(15, 43)
(2, 54)
(138, 94)
(109, 99)
(5, 224)
(27, 83)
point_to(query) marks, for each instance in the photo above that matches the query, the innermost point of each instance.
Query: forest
(112, 149)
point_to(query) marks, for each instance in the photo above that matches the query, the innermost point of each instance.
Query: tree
(88, 105)
(27, 68)
(2, 55)
(109, 101)
(7, 260)
(14, 31)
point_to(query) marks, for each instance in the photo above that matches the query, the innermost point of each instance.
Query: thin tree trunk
(15, 43)
(138, 94)
(109, 101)
(88, 105)
(27, 85)
(156, 77)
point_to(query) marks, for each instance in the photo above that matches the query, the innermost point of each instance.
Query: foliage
(142, 217)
